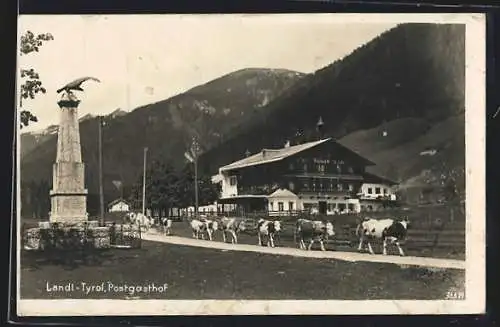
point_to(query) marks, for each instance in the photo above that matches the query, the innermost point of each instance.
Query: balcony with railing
(256, 189)
(380, 197)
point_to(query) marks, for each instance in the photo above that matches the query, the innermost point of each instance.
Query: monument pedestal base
(69, 220)
(68, 208)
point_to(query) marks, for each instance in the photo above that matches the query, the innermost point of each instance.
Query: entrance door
(322, 207)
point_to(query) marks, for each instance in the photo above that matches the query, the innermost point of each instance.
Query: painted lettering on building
(327, 161)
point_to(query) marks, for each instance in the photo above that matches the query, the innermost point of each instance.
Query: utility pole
(195, 149)
(319, 128)
(144, 184)
(196, 187)
(101, 189)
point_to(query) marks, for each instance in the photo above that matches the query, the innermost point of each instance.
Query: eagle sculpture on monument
(76, 84)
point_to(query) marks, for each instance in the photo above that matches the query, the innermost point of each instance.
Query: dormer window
(232, 180)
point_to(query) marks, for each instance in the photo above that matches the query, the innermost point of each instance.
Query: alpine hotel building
(322, 177)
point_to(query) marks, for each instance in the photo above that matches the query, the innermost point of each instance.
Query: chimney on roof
(287, 144)
(247, 153)
(263, 153)
(298, 137)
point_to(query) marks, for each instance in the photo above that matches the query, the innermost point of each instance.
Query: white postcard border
(475, 211)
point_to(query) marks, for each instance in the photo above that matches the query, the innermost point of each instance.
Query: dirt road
(346, 256)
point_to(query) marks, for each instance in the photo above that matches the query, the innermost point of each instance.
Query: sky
(155, 57)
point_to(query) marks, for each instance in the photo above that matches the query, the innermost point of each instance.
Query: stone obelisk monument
(68, 194)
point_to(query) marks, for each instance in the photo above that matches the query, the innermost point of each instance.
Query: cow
(167, 225)
(200, 227)
(313, 231)
(211, 227)
(268, 228)
(232, 225)
(388, 230)
(138, 219)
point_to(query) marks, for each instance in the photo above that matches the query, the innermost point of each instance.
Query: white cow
(269, 229)
(198, 228)
(389, 230)
(139, 219)
(211, 227)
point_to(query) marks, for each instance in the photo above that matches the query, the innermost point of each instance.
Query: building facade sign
(328, 161)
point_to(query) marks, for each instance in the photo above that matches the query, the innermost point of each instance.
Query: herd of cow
(389, 231)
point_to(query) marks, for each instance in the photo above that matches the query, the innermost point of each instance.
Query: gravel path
(346, 256)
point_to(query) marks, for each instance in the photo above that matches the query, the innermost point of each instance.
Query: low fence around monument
(83, 237)
(125, 235)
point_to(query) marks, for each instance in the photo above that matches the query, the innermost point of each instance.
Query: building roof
(112, 203)
(372, 178)
(245, 196)
(237, 198)
(283, 193)
(273, 155)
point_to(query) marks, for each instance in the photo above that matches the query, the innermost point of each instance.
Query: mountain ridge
(412, 70)
(165, 127)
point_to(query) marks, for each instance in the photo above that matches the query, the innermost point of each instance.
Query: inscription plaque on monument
(73, 204)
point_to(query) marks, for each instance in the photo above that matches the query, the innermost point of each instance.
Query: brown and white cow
(200, 227)
(166, 223)
(388, 230)
(269, 229)
(233, 226)
(312, 231)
